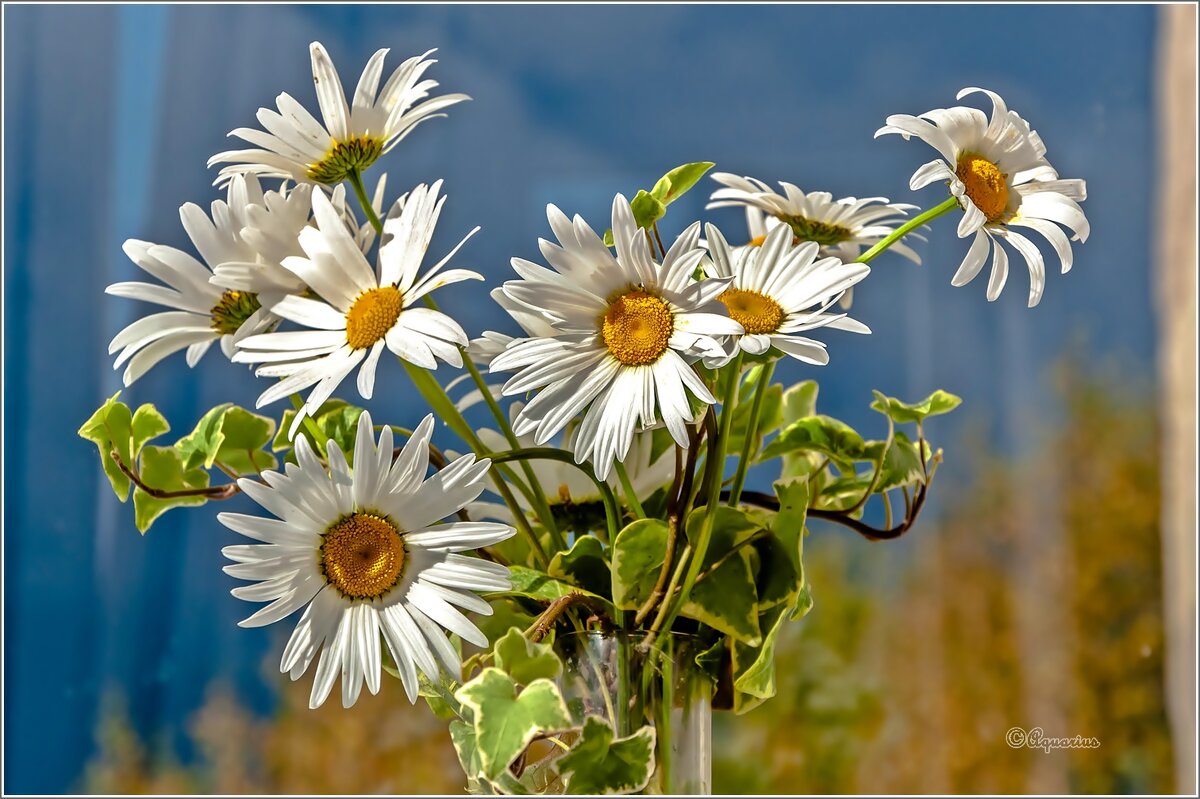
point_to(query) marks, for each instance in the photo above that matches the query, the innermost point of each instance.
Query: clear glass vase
(631, 683)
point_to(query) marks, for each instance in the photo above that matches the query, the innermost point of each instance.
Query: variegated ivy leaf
(524, 660)
(600, 763)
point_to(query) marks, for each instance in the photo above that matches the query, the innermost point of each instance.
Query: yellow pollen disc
(986, 185)
(362, 555)
(637, 327)
(756, 312)
(372, 316)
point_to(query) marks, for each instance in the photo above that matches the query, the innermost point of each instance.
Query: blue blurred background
(111, 113)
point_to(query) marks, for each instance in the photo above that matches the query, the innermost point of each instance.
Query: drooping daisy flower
(572, 496)
(297, 146)
(997, 169)
(358, 311)
(843, 228)
(366, 553)
(780, 290)
(203, 313)
(625, 331)
(271, 223)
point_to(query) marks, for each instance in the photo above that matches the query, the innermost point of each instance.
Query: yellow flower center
(232, 310)
(637, 327)
(986, 185)
(362, 555)
(344, 157)
(756, 312)
(372, 316)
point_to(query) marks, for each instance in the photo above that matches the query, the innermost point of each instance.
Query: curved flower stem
(360, 191)
(612, 511)
(714, 470)
(906, 228)
(750, 445)
(536, 496)
(435, 395)
(630, 495)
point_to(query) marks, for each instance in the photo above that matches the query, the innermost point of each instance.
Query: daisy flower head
(357, 311)
(201, 312)
(782, 289)
(997, 169)
(625, 331)
(351, 136)
(366, 553)
(271, 222)
(842, 228)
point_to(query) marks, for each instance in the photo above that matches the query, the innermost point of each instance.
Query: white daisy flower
(843, 228)
(357, 310)
(626, 330)
(782, 289)
(203, 313)
(997, 169)
(572, 496)
(271, 223)
(366, 551)
(297, 146)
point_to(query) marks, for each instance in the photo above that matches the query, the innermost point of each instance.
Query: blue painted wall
(113, 111)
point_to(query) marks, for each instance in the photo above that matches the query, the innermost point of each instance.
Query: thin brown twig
(211, 492)
(542, 626)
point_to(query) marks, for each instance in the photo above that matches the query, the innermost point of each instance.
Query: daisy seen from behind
(351, 136)
(782, 289)
(997, 170)
(201, 312)
(626, 332)
(366, 553)
(357, 311)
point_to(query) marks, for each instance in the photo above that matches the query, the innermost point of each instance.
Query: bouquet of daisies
(608, 496)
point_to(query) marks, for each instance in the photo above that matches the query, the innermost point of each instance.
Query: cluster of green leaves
(650, 206)
(516, 702)
(228, 438)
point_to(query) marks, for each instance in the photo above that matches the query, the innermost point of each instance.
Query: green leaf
(505, 720)
(935, 404)
(781, 574)
(462, 735)
(673, 185)
(109, 428)
(822, 434)
(336, 418)
(583, 565)
(525, 660)
(200, 446)
(770, 414)
(598, 763)
(245, 434)
(754, 667)
(147, 423)
(843, 493)
(647, 209)
(901, 464)
(163, 468)
(726, 598)
(638, 555)
(800, 401)
(533, 584)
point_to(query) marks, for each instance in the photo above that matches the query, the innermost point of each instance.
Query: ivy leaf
(462, 735)
(780, 573)
(638, 555)
(800, 401)
(901, 464)
(163, 468)
(822, 434)
(754, 667)
(201, 445)
(583, 565)
(598, 763)
(935, 404)
(673, 185)
(533, 584)
(336, 419)
(147, 423)
(505, 720)
(245, 434)
(110, 428)
(525, 660)
(647, 209)
(726, 599)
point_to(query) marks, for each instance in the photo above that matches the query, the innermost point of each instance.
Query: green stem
(750, 445)
(612, 512)
(906, 228)
(714, 468)
(435, 395)
(630, 495)
(319, 436)
(537, 495)
(356, 181)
